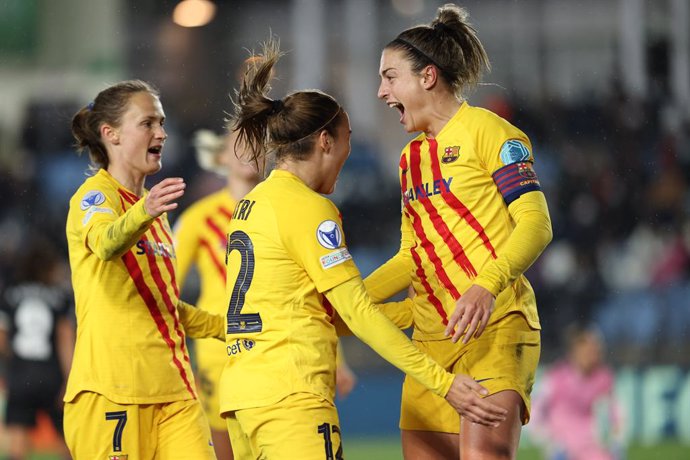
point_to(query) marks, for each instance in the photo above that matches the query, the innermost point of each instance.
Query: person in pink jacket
(577, 416)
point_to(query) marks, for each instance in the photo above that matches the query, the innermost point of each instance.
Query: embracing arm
(371, 326)
(200, 324)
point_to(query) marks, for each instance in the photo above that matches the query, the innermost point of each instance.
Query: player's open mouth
(399, 107)
(156, 150)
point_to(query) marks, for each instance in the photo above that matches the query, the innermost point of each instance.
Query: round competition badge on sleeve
(329, 235)
(92, 198)
(514, 151)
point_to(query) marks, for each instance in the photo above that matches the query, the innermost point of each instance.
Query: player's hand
(465, 395)
(345, 380)
(162, 196)
(471, 315)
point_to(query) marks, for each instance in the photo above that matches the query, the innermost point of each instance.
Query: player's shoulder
(290, 195)
(94, 191)
(480, 118)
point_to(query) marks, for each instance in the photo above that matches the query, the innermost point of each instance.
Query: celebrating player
(131, 391)
(286, 256)
(474, 219)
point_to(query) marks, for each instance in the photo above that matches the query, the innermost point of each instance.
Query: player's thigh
(301, 426)
(429, 445)
(422, 410)
(96, 427)
(183, 431)
(504, 358)
(479, 441)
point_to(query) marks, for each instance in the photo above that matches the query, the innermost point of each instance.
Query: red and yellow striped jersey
(456, 189)
(130, 344)
(201, 239)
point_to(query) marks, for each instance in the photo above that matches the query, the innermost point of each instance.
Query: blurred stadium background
(602, 87)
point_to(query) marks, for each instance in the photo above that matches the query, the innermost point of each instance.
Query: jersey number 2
(239, 322)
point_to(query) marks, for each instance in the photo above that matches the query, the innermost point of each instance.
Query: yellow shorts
(97, 428)
(302, 426)
(504, 357)
(209, 368)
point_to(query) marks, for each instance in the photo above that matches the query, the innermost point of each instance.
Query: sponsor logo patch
(335, 258)
(514, 151)
(92, 198)
(329, 235)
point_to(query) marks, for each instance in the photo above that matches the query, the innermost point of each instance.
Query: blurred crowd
(615, 171)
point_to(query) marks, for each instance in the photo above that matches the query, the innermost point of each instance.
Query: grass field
(389, 449)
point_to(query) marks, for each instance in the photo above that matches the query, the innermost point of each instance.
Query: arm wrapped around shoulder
(531, 235)
(200, 324)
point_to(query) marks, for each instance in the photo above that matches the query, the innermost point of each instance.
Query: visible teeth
(155, 149)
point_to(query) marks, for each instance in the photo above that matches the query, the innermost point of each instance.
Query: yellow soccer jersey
(285, 249)
(201, 239)
(130, 344)
(456, 189)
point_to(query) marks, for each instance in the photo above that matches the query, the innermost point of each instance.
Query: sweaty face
(138, 146)
(402, 89)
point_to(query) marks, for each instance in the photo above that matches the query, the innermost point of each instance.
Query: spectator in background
(37, 340)
(576, 415)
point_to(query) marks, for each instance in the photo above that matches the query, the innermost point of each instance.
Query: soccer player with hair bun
(473, 220)
(131, 392)
(287, 263)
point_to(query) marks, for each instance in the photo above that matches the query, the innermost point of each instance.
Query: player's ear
(325, 140)
(429, 76)
(110, 134)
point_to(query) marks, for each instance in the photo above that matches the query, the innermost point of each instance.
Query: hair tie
(276, 106)
(89, 106)
(442, 27)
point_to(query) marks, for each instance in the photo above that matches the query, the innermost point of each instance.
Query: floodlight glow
(194, 13)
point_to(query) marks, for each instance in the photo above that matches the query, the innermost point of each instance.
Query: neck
(307, 171)
(131, 181)
(442, 108)
(240, 186)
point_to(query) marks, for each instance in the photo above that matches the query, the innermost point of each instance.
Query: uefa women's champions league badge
(328, 234)
(514, 151)
(92, 198)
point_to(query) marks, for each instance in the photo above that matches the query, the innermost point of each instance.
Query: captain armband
(514, 180)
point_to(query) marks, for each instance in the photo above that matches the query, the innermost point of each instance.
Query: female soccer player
(130, 391)
(474, 219)
(201, 240)
(286, 255)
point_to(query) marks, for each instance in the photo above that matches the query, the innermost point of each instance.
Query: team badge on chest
(450, 154)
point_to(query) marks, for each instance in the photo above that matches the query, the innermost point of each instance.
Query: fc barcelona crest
(450, 154)
(526, 171)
